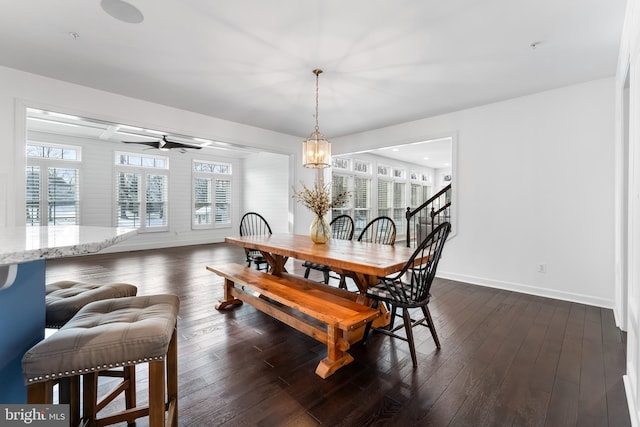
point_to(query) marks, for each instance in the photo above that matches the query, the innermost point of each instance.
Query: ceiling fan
(165, 144)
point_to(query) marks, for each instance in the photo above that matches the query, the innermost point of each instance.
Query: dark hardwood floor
(507, 359)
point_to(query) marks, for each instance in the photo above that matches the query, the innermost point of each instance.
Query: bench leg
(337, 355)
(229, 299)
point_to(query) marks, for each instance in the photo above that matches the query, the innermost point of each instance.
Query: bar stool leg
(156, 394)
(129, 379)
(129, 376)
(89, 397)
(172, 380)
(41, 392)
(69, 392)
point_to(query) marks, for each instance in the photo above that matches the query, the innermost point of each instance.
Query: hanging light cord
(317, 73)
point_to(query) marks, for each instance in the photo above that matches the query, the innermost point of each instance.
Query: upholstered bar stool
(119, 332)
(64, 298)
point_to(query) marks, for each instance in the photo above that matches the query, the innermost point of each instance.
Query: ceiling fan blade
(153, 144)
(165, 144)
(173, 144)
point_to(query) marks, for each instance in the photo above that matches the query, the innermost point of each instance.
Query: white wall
(18, 89)
(266, 189)
(627, 202)
(534, 179)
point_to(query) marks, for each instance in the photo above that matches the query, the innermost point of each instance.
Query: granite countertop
(23, 244)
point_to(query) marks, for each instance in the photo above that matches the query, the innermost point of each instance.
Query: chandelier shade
(316, 149)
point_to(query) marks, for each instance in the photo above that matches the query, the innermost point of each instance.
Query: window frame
(143, 173)
(214, 177)
(44, 165)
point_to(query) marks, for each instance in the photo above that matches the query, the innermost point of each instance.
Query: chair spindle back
(379, 230)
(342, 227)
(418, 278)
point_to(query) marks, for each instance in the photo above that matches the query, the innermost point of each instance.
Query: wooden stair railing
(428, 215)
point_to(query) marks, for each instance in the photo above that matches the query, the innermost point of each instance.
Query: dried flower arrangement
(318, 199)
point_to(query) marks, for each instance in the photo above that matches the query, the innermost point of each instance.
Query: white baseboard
(631, 402)
(531, 290)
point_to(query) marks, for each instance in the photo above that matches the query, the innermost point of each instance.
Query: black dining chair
(342, 228)
(380, 230)
(252, 224)
(410, 289)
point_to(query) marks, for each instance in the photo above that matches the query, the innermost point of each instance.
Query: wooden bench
(322, 312)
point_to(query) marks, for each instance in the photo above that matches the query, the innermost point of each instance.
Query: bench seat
(322, 312)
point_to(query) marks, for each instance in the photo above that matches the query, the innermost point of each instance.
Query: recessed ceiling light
(395, 149)
(122, 11)
(425, 158)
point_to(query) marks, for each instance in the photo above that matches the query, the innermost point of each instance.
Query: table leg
(363, 281)
(229, 299)
(276, 262)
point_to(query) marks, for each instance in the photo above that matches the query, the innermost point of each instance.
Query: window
(359, 187)
(362, 167)
(142, 191)
(384, 198)
(426, 193)
(211, 194)
(130, 159)
(382, 189)
(362, 203)
(426, 187)
(399, 204)
(359, 205)
(50, 151)
(341, 184)
(384, 170)
(52, 185)
(339, 163)
(416, 195)
(399, 173)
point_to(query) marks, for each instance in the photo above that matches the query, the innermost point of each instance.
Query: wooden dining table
(336, 317)
(361, 261)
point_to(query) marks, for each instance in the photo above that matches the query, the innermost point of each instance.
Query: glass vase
(320, 230)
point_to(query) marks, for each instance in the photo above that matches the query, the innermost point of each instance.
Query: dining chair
(380, 230)
(342, 228)
(410, 289)
(253, 224)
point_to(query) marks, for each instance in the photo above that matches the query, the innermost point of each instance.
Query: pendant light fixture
(316, 150)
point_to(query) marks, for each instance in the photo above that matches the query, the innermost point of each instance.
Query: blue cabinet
(22, 322)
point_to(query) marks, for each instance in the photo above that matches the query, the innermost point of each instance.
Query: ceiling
(384, 62)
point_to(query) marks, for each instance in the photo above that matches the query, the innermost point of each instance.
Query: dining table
(363, 262)
(336, 317)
